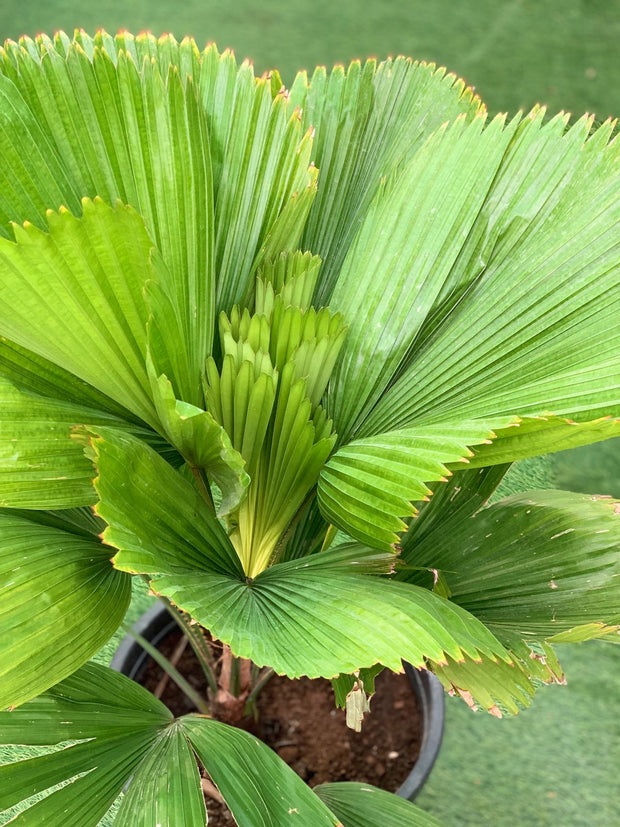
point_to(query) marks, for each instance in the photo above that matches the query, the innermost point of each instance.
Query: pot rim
(156, 623)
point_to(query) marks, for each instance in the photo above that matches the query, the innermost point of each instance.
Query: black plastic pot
(156, 624)
(430, 696)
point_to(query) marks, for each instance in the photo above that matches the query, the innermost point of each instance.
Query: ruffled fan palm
(236, 317)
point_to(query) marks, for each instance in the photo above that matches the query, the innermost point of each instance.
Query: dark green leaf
(165, 789)
(260, 789)
(62, 600)
(122, 723)
(80, 521)
(452, 503)
(361, 805)
(533, 565)
(324, 614)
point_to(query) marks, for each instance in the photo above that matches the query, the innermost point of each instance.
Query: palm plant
(236, 318)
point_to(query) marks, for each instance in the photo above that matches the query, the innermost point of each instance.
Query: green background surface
(516, 52)
(559, 761)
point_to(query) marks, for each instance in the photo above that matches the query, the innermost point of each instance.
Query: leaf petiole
(175, 675)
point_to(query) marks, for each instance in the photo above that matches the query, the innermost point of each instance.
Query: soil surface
(298, 719)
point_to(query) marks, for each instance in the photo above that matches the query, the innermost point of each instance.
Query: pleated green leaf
(122, 721)
(368, 119)
(317, 616)
(41, 465)
(453, 502)
(119, 126)
(202, 442)
(155, 517)
(260, 161)
(165, 789)
(323, 615)
(328, 601)
(260, 156)
(107, 766)
(164, 50)
(144, 135)
(498, 687)
(362, 805)
(405, 250)
(526, 322)
(369, 486)
(74, 295)
(531, 437)
(34, 178)
(533, 565)
(367, 122)
(29, 372)
(61, 601)
(260, 789)
(81, 521)
(63, 712)
(168, 145)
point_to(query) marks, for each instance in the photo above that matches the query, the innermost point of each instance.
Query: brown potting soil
(298, 719)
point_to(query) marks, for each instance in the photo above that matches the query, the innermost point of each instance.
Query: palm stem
(196, 640)
(264, 676)
(175, 675)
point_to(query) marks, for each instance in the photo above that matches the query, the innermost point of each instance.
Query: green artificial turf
(593, 469)
(558, 761)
